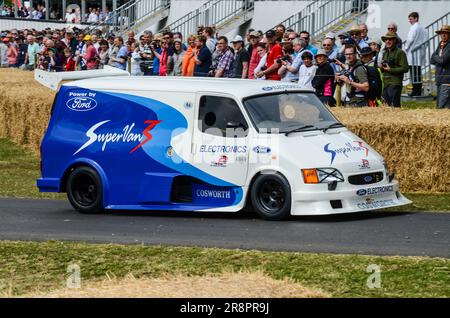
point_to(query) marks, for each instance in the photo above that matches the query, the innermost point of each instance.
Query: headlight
(322, 175)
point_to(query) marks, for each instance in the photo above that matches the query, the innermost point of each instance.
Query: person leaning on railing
(441, 59)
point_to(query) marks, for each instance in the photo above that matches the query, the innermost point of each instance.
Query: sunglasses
(326, 45)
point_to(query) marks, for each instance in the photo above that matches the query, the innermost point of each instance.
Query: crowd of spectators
(93, 14)
(348, 68)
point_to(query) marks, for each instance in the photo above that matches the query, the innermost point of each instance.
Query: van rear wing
(53, 80)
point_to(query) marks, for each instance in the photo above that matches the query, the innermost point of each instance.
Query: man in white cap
(241, 58)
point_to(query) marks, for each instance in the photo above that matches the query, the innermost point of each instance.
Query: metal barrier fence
(213, 12)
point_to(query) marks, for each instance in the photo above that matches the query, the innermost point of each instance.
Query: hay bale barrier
(415, 143)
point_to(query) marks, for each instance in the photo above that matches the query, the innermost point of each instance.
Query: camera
(285, 58)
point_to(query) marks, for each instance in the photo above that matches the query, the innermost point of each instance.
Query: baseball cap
(87, 38)
(237, 38)
(254, 34)
(330, 35)
(270, 33)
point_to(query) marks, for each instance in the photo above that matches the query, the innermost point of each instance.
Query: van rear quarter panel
(126, 134)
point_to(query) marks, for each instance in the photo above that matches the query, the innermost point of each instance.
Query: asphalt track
(375, 233)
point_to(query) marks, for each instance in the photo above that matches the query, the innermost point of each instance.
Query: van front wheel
(271, 197)
(84, 190)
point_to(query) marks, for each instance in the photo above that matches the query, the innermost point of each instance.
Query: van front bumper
(346, 201)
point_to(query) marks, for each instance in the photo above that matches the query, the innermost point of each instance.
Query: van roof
(237, 87)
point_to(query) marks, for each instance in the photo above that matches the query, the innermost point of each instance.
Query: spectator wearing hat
(355, 33)
(225, 58)
(356, 79)
(375, 45)
(91, 56)
(70, 41)
(441, 59)
(332, 36)
(241, 58)
(274, 52)
(323, 81)
(254, 39)
(394, 65)
(367, 56)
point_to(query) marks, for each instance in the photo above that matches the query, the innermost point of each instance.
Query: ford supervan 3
(199, 144)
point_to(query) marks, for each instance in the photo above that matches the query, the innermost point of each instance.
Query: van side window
(221, 116)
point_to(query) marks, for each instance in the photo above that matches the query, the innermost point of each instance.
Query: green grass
(418, 104)
(19, 170)
(27, 267)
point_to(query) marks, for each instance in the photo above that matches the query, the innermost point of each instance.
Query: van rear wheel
(271, 197)
(85, 190)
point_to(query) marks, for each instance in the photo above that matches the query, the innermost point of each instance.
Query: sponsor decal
(222, 162)
(371, 204)
(126, 135)
(347, 149)
(187, 105)
(375, 190)
(208, 194)
(223, 149)
(81, 104)
(364, 164)
(281, 86)
(262, 149)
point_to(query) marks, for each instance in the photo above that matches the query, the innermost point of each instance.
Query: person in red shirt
(254, 56)
(274, 52)
(70, 62)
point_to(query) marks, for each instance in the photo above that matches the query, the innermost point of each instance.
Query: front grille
(366, 178)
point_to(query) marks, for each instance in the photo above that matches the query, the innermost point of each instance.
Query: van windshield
(284, 112)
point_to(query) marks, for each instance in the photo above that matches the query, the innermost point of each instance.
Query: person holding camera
(145, 53)
(355, 77)
(323, 81)
(292, 60)
(288, 71)
(394, 65)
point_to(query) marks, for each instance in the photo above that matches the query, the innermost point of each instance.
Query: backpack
(375, 82)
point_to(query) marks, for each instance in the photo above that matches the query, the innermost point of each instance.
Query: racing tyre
(85, 190)
(271, 197)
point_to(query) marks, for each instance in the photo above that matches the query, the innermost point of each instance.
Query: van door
(220, 138)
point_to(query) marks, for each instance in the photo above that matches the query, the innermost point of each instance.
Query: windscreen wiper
(299, 129)
(335, 125)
